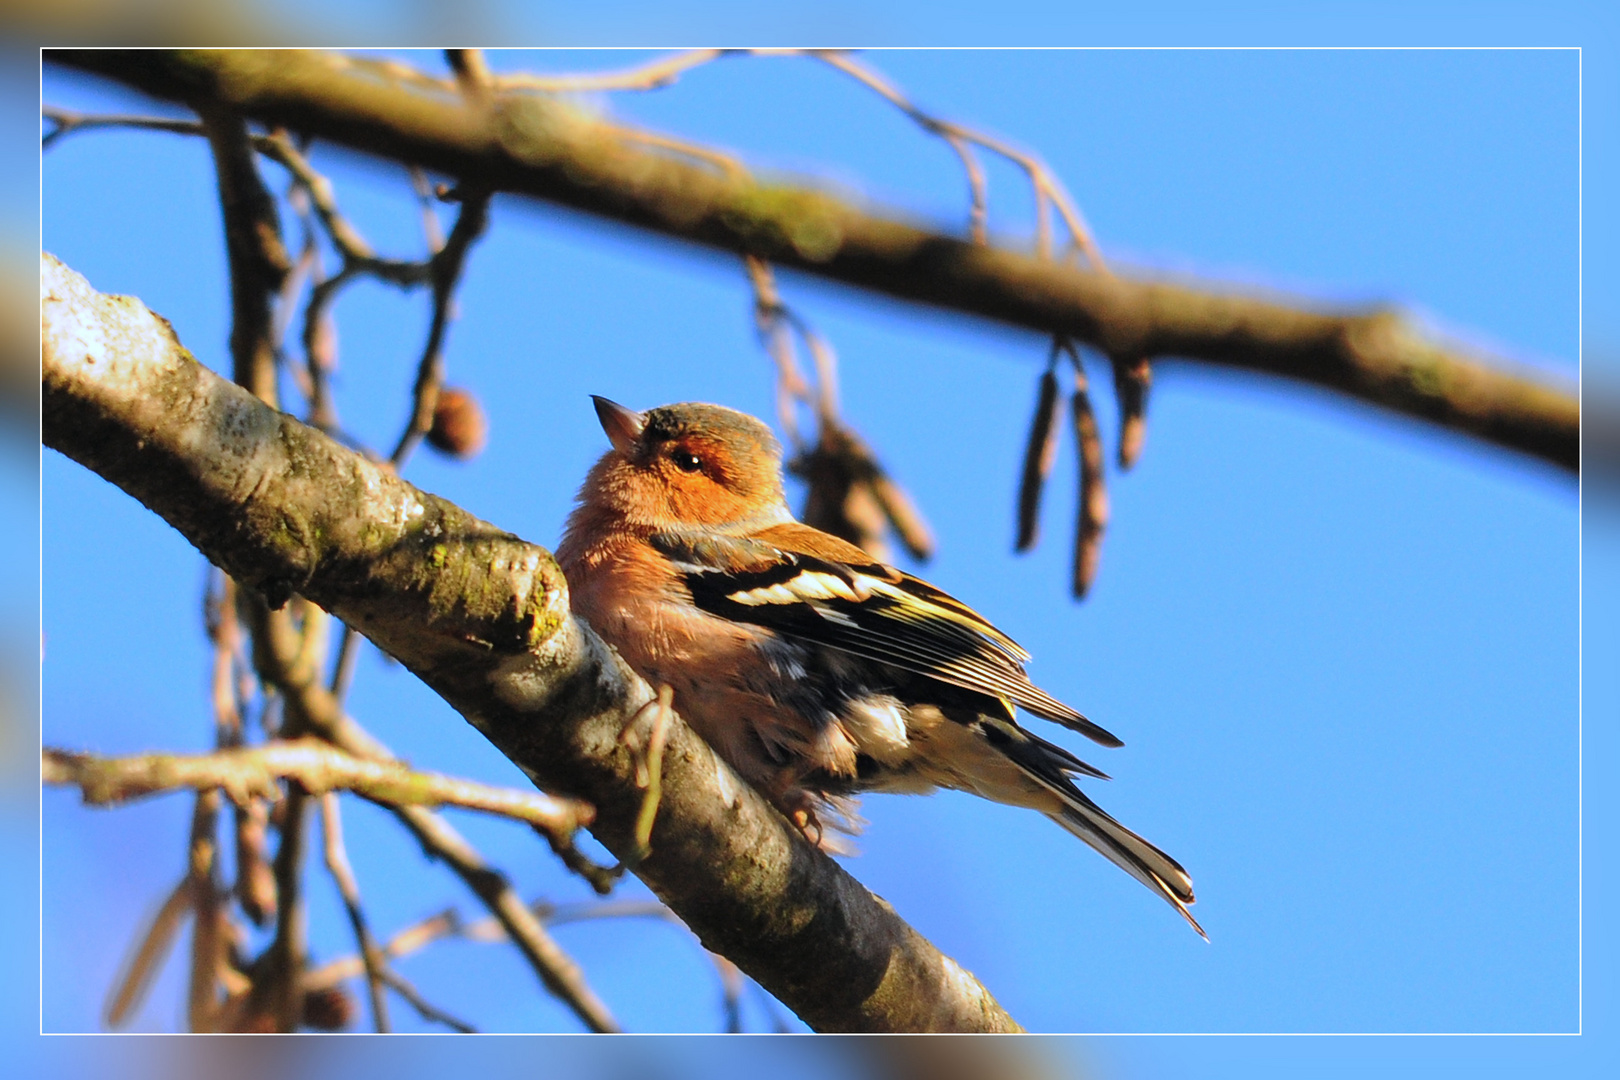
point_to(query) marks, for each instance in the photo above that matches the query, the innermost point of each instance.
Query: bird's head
(686, 465)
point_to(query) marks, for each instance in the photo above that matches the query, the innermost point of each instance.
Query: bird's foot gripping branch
(481, 617)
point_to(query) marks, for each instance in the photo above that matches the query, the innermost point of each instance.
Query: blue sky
(1341, 647)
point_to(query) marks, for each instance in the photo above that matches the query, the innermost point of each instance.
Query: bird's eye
(686, 461)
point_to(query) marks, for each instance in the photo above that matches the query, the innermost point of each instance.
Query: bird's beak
(623, 426)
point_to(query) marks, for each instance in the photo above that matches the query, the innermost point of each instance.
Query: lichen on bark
(482, 618)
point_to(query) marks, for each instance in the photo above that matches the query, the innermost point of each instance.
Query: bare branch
(651, 76)
(151, 949)
(343, 667)
(255, 886)
(427, 200)
(445, 268)
(448, 924)
(250, 772)
(960, 138)
(318, 711)
(483, 619)
(358, 255)
(424, 1008)
(67, 122)
(207, 937)
(337, 864)
(520, 144)
(277, 1001)
(471, 70)
(258, 261)
(560, 974)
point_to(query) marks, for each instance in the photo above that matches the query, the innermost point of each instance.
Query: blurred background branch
(526, 143)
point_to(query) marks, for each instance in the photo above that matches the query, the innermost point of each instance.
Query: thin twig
(471, 70)
(424, 1008)
(343, 670)
(320, 342)
(446, 266)
(851, 495)
(255, 886)
(337, 864)
(211, 918)
(826, 363)
(219, 618)
(419, 935)
(67, 121)
(258, 261)
(249, 772)
(448, 924)
(353, 248)
(428, 201)
(731, 986)
(151, 949)
(323, 714)
(651, 76)
(277, 992)
(1045, 183)
(791, 386)
(560, 974)
(259, 268)
(207, 943)
(728, 165)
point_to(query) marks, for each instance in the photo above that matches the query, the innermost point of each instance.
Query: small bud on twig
(330, 1008)
(459, 427)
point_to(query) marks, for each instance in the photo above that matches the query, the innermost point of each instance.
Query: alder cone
(329, 1009)
(459, 427)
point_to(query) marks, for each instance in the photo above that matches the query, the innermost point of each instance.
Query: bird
(815, 671)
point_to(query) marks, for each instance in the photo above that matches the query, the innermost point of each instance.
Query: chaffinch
(816, 672)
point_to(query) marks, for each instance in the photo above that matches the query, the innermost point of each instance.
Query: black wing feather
(879, 613)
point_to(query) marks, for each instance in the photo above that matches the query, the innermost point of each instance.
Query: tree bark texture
(482, 617)
(539, 146)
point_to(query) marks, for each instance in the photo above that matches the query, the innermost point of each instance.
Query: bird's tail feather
(1128, 851)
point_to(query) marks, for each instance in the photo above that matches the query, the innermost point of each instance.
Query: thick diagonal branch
(538, 146)
(482, 618)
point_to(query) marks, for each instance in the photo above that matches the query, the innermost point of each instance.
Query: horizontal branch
(319, 766)
(534, 145)
(482, 618)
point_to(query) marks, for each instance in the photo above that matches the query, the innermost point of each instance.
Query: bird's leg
(630, 736)
(649, 769)
(796, 803)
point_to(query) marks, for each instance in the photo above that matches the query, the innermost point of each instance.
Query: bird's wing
(803, 583)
